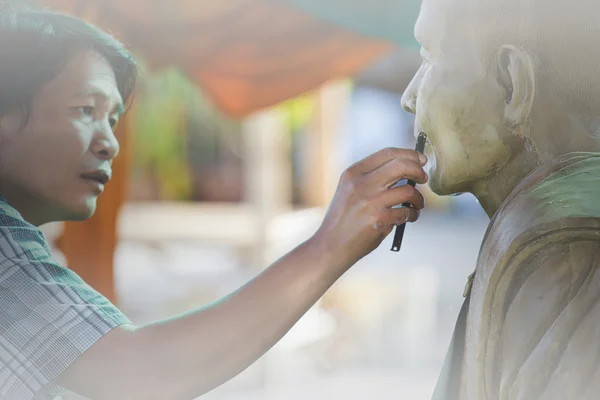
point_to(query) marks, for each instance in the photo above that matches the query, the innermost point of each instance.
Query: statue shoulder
(537, 281)
(558, 202)
(543, 303)
(510, 255)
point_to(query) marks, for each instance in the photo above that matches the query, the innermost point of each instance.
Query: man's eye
(86, 110)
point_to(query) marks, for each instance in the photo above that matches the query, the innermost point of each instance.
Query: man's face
(456, 103)
(53, 168)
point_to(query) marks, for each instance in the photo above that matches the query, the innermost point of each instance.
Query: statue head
(505, 85)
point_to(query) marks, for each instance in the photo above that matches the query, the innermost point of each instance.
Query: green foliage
(177, 128)
(160, 135)
(298, 111)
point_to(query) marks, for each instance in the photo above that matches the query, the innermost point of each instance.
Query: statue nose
(409, 101)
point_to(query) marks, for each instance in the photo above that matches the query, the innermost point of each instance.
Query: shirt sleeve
(48, 318)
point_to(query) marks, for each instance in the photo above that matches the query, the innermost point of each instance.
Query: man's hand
(361, 214)
(185, 357)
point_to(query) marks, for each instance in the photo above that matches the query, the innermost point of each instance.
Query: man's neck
(26, 205)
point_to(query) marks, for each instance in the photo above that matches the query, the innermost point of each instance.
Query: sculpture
(509, 96)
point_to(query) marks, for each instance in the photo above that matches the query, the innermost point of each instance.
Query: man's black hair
(35, 46)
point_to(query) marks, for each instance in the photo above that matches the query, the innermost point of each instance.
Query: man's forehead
(99, 88)
(88, 74)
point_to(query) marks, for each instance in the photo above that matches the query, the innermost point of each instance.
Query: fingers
(399, 216)
(367, 187)
(395, 217)
(400, 195)
(382, 157)
(396, 170)
(388, 217)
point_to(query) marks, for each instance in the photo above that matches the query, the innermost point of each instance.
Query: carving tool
(400, 228)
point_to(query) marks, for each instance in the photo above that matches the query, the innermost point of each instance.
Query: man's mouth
(100, 176)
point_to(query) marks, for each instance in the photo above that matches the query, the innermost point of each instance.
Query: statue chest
(529, 314)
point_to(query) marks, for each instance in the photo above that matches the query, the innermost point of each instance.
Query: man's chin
(78, 216)
(81, 212)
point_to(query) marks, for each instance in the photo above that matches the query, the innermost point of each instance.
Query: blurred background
(246, 114)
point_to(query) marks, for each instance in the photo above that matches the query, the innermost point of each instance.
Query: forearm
(202, 349)
(187, 356)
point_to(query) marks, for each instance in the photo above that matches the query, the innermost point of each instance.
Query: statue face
(457, 104)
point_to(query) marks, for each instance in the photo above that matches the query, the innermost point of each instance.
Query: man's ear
(516, 75)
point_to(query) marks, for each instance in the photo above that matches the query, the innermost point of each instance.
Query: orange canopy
(246, 54)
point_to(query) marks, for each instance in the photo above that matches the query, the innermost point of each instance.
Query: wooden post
(267, 174)
(89, 246)
(321, 162)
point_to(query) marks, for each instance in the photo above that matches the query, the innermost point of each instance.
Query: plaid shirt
(48, 315)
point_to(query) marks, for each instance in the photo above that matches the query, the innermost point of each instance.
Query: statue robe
(531, 325)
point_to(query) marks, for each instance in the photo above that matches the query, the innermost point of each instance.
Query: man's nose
(106, 145)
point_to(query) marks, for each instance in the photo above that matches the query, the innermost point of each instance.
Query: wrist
(334, 257)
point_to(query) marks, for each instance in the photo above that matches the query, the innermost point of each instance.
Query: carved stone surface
(535, 303)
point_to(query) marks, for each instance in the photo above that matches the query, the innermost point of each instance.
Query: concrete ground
(381, 332)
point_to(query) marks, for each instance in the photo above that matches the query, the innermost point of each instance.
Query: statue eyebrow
(421, 40)
(418, 33)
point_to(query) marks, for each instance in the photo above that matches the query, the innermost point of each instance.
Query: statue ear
(515, 74)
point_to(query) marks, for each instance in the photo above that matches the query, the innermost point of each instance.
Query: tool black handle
(399, 235)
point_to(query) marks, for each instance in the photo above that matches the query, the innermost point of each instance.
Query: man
(508, 95)
(63, 85)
